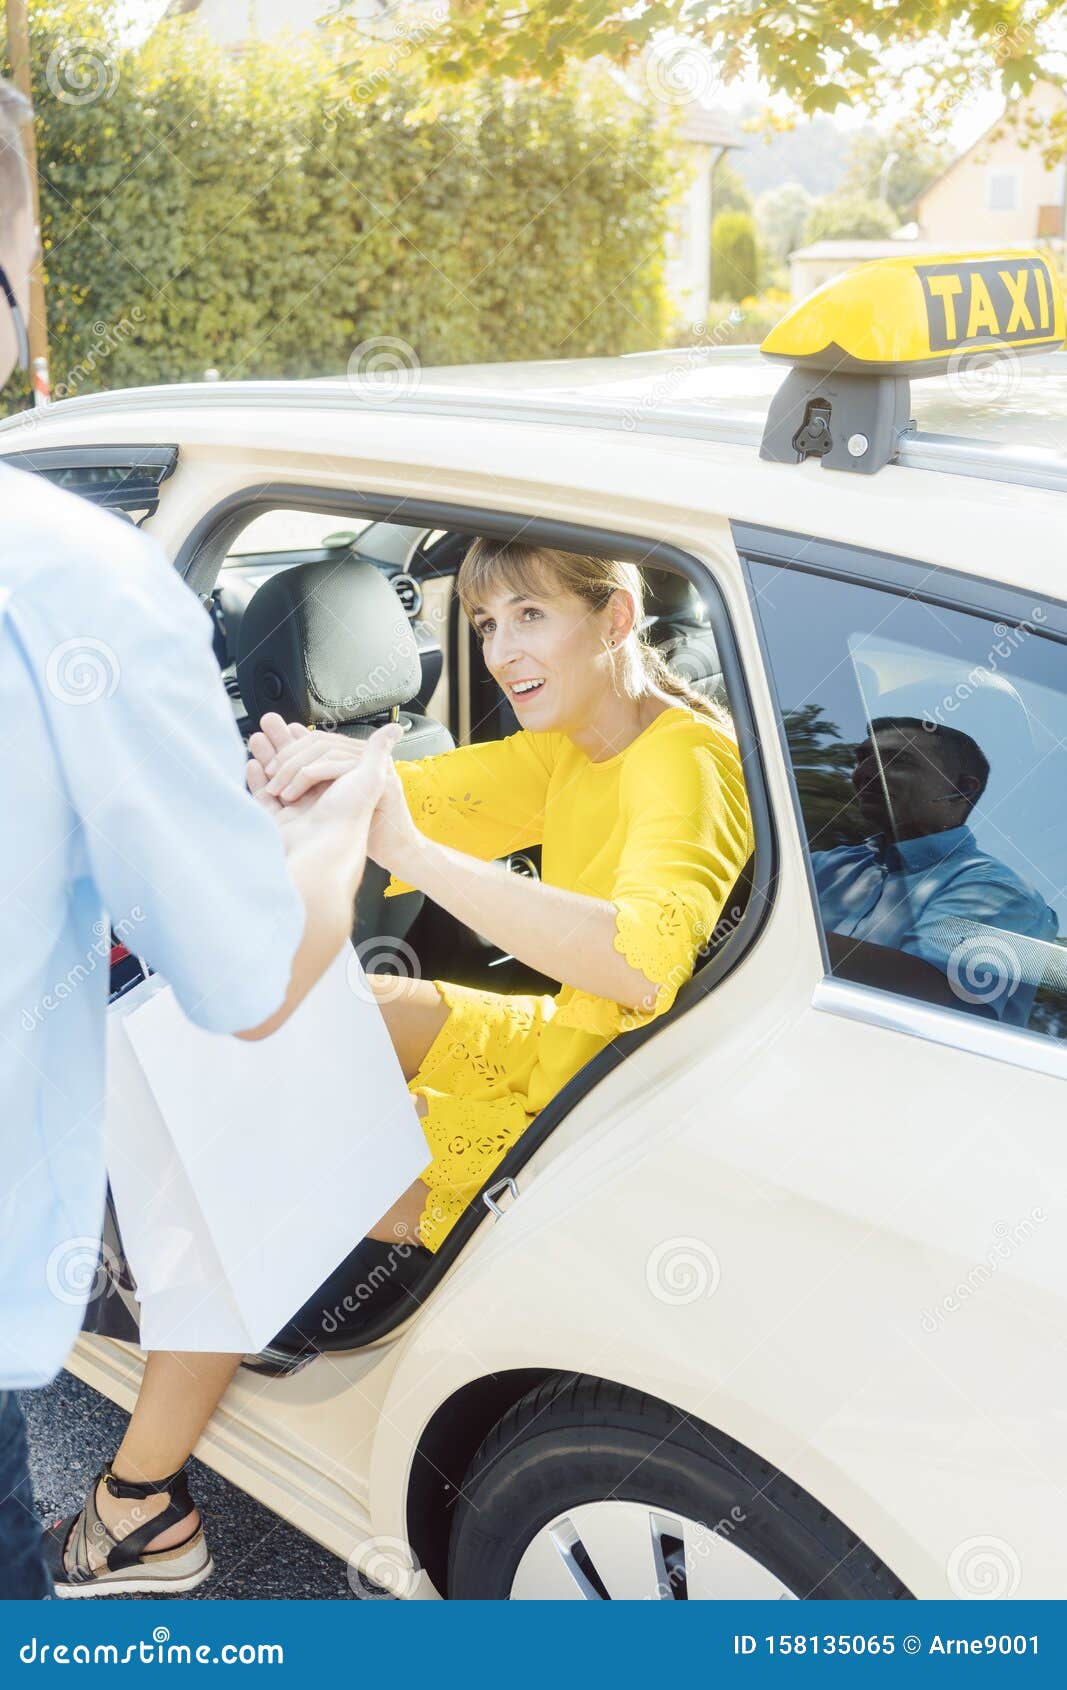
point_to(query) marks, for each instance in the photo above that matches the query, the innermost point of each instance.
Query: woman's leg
(414, 1012)
(180, 1391)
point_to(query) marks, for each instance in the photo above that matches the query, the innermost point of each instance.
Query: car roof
(1002, 421)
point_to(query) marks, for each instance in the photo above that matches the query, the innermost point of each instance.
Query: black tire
(575, 1440)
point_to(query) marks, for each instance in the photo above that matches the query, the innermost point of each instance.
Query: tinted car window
(929, 749)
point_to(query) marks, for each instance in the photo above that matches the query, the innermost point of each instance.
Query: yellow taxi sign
(918, 316)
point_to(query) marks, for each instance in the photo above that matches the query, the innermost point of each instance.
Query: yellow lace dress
(662, 830)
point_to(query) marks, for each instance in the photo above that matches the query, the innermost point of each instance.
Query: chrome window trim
(942, 1026)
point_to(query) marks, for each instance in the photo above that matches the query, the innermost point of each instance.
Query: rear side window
(929, 750)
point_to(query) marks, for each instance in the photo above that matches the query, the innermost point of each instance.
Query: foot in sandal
(136, 1551)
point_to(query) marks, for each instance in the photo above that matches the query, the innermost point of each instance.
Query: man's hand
(346, 800)
(294, 759)
(325, 835)
(324, 772)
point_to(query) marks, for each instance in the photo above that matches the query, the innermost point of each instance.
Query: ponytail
(659, 674)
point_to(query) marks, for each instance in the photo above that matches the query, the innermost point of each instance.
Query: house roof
(865, 249)
(710, 128)
(1011, 106)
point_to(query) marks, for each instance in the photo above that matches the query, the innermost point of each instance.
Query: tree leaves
(820, 53)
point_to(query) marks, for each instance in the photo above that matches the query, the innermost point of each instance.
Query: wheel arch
(446, 1449)
(451, 1438)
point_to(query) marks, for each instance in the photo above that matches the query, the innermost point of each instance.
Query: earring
(611, 642)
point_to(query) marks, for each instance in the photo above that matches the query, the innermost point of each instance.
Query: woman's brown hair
(524, 568)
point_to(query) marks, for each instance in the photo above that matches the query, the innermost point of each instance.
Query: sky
(973, 119)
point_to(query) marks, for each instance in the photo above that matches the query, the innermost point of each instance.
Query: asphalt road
(73, 1431)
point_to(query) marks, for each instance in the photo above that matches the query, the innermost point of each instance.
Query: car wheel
(590, 1491)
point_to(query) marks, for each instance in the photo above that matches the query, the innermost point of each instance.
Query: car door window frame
(199, 560)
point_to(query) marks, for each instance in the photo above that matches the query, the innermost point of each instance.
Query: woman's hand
(294, 758)
(393, 834)
(290, 761)
(347, 802)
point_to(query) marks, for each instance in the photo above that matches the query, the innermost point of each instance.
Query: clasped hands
(313, 779)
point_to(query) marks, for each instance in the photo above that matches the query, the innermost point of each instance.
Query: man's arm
(326, 851)
(153, 767)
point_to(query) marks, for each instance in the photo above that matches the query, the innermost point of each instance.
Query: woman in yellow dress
(631, 782)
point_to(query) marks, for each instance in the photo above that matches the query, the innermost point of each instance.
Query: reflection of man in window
(921, 885)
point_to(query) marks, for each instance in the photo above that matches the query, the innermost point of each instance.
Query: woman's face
(555, 640)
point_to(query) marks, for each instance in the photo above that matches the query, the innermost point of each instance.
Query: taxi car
(769, 1302)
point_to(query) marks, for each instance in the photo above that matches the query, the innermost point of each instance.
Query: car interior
(362, 625)
(348, 623)
(301, 631)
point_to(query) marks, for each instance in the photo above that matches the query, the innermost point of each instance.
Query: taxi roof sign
(857, 341)
(924, 316)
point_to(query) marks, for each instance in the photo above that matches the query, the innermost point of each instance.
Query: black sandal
(129, 1568)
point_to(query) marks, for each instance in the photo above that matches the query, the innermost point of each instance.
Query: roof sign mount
(856, 343)
(850, 422)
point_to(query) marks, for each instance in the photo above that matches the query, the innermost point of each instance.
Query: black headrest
(326, 643)
(672, 595)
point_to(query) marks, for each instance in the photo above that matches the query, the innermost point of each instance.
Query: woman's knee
(414, 1013)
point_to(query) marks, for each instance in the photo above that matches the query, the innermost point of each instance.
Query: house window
(1003, 189)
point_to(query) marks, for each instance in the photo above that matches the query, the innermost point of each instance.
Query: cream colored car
(771, 1300)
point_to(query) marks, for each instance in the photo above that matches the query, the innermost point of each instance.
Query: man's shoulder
(45, 529)
(981, 868)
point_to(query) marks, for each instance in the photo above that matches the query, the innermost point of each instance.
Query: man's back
(124, 807)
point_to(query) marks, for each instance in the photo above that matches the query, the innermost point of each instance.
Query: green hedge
(735, 257)
(255, 215)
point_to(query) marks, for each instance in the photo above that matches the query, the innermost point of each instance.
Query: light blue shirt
(123, 803)
(945, 900)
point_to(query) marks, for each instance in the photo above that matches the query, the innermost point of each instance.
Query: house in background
(706, 138)
(997, 195)
(811, 266)
(1000, 192)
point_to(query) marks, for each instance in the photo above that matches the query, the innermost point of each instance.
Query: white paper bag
(244, 1172)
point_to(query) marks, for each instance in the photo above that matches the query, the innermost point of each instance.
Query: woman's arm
(566, 935)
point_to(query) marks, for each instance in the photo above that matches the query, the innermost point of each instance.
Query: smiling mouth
(526, 689)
